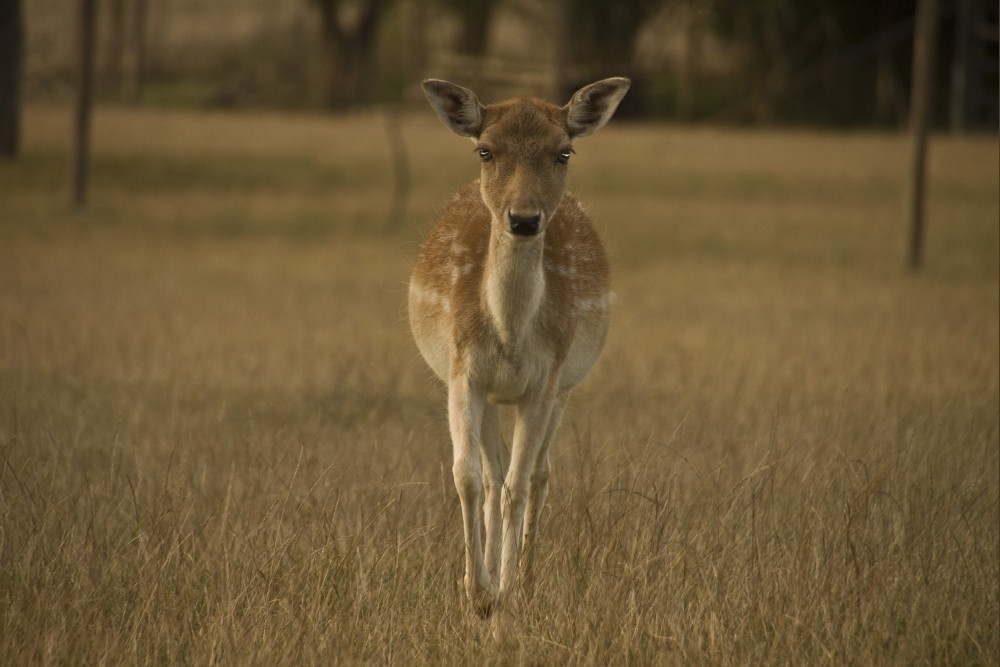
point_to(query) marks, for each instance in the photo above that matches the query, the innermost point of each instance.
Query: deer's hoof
(485, 607)
(484, 599)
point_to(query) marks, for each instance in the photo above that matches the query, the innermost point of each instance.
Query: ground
(220, 444)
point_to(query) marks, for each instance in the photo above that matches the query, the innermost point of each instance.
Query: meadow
(220, 446)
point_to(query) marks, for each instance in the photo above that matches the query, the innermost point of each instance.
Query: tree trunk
(960, 67)
(349, 51)
(114, 58)
(922, 94)
(84, 99)
(11, 56)
(687, 68)
(135, 64)
(475, 16)
(344, 76)
(561, 75)
(400, 168)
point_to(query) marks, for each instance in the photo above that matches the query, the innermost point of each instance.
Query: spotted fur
(509, 315)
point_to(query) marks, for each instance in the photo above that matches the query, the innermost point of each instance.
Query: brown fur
(575, 266)
(509, 303)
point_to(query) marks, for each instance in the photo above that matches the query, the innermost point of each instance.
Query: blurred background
(842, 63)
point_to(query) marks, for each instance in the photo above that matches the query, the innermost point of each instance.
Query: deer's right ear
(592, 106)
(457, 107)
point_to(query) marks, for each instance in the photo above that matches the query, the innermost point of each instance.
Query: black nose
(524, 225)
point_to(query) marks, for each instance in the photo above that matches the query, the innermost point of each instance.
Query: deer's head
(525, 145)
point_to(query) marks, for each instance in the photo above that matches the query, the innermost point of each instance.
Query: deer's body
(509, 303)
(555, 320)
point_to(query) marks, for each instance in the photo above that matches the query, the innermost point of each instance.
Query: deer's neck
(514, 285)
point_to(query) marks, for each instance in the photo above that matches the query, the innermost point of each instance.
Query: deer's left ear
(457, 107)
(592, 106)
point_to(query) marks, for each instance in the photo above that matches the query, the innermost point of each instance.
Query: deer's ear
(457, 107)
(592, 106)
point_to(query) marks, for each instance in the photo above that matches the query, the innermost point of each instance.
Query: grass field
(219, 444)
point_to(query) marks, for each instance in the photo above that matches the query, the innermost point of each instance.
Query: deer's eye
(564, 156)
(484, 154)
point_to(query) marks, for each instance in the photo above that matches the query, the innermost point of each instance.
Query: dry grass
(220, 446)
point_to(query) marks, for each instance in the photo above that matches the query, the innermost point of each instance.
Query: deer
(509, 304)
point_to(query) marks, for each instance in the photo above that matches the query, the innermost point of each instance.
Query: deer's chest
(507, 371)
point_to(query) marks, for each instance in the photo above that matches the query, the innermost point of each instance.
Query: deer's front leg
(530, 430)
(537, 494)
(494, 469)
(465, 417)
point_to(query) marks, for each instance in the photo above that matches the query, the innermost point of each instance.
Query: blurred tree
(601, 34)
(475, 16)
(114, 52)
(833, 61)
(349, 30)
(86, 29)
(921, 100)
(135, 53)
(693, 15)
(124, 66)
(776, 36)
(11, 54)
